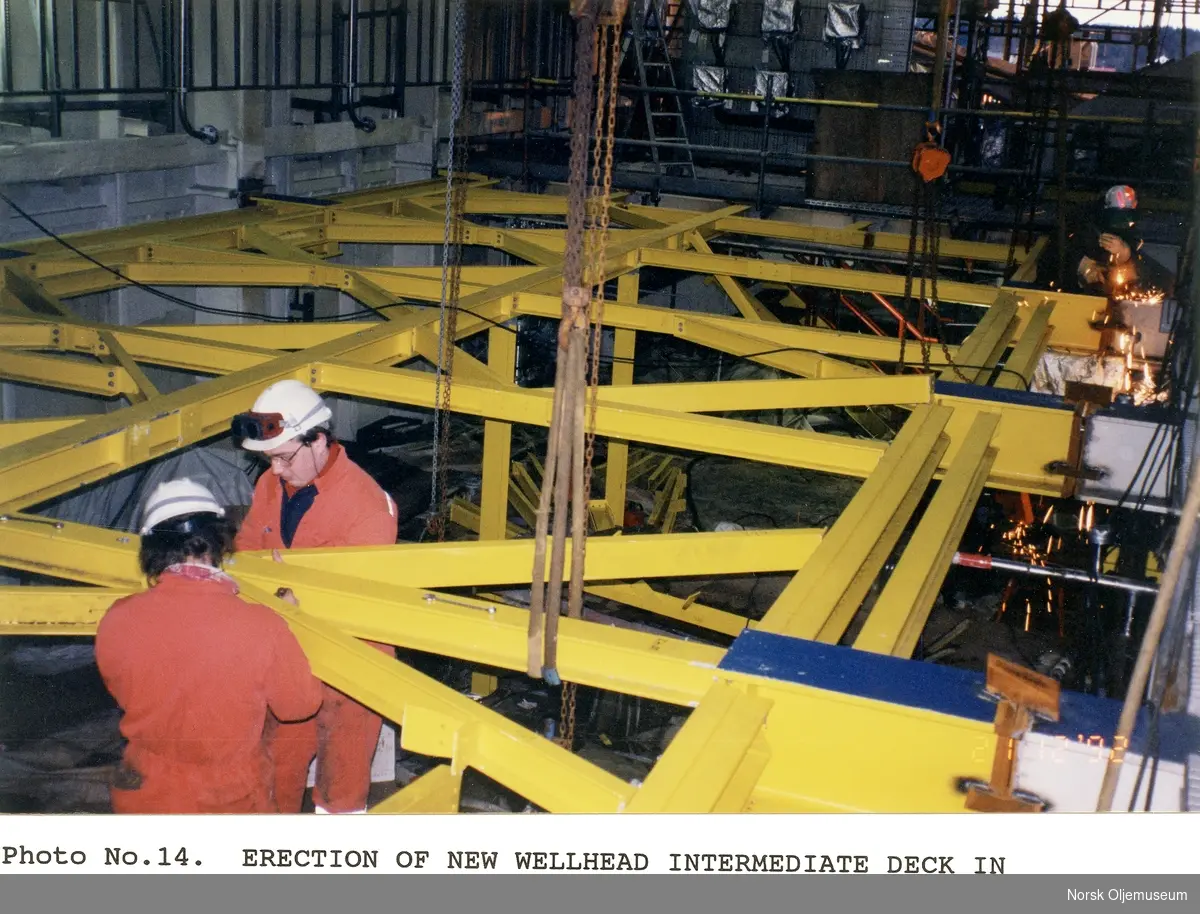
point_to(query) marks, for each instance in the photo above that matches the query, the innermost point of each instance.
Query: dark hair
(311, 436)
(207, 537)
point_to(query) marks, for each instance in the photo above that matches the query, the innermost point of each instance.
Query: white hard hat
(1120, 196)
(175, 499)
(285, 410)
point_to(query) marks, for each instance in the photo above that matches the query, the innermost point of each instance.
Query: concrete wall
(82, 185)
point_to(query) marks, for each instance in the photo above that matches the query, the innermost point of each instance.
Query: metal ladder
(672, 154)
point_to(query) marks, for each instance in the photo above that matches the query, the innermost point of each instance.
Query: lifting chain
(608, 63)
(452, 244)
(929, 166)
(562, 461)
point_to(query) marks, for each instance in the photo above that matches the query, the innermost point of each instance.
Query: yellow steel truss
(755, 741)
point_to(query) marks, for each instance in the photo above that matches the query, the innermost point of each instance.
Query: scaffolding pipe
(1059, 572)
(939, 57)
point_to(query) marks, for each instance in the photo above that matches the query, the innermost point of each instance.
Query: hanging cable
(452, 245)
(229, 312)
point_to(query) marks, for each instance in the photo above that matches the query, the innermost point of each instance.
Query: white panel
(1117, 446)
(1068, 775)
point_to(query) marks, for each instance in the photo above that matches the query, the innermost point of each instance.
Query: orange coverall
(195, 669)
(349, 509)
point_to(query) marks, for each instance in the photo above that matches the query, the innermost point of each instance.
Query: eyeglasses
(285, 459)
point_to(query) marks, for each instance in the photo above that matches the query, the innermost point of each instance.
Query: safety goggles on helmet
(258, 426)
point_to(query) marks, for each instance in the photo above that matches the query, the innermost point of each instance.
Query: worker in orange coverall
(314, 496)
(196, 669)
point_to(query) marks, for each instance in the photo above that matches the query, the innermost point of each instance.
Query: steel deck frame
(757, 740)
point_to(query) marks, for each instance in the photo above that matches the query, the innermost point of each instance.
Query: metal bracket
(1073, 467)
(1021, 695)
(1063, 468)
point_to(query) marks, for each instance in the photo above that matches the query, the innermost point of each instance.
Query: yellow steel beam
(194, 226)
(735, 396)
(436, 720)
(46, 611)
(523, 246)
(368, 292)
(609, 558)
(109, 558)
(437, 790)
(899, 614)
(1029, 438)
(466, 515)
(373, 594)
(497, 442)
(705, 755)
(841, 771)
(857, 237)
(748, 306)
(27, 334)
(616, 468)
(358, 228)
(34, 332)
(117, 353)
(809, 342)
(981, 350)
(466, 367)
(593, 654)
(14, 431)
(841, 768)
(262, 240)
(739, 792)
(751, 441)
(67, 373)
(1072, 312)
(18, 282)
(194, 353)
(37, 470)
(641, 596)
(820, 601)
(1020, 365)
(73, 552)
(282, 336)
(549, 239)
(835, 741)
(183, 227)
(1027, 271)
(747, 346)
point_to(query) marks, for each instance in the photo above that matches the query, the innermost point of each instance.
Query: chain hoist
(608, 64)
(546, 599)
(452, 245)
(929, 163)
(564, 482)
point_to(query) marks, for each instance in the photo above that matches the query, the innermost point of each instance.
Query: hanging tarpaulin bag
(845, 25)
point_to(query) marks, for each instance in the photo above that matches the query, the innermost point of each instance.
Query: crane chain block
(930, 161)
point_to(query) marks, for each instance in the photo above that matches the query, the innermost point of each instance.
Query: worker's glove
(1090, 272)
(1116, 247)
